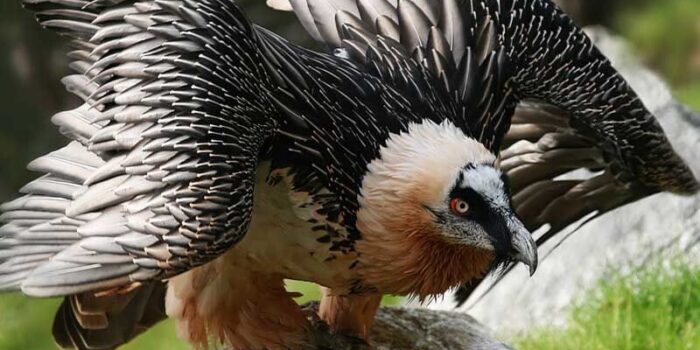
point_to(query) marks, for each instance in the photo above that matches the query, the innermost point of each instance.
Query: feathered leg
(242, 309)
(350, 315)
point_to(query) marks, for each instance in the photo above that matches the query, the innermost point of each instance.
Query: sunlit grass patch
(657, 307)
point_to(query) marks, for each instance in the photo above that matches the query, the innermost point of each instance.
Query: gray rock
(663, 224)
(410, 329)
(421, 329)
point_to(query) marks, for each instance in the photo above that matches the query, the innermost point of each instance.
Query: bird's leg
(242, 309)
(350, 315)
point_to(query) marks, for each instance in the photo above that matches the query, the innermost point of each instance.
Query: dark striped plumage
(183, 99)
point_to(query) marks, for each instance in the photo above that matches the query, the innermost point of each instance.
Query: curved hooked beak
(524, 246)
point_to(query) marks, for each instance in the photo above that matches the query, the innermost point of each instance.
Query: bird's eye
(459, 206)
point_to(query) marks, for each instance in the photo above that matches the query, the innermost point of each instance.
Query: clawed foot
(322, 338)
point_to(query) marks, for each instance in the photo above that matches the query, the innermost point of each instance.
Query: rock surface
(421, 329)
(414, 329)
(663, 224)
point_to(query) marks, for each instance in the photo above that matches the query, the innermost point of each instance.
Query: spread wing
(159, 175)
(575, 114)
(488, 55)
(460, 52)
(559, 174)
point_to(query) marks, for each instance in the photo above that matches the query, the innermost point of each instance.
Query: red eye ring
(459, 206)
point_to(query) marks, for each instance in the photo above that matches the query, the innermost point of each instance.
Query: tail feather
(86, 321)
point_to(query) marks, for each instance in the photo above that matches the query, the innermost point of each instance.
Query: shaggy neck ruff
(403, 250)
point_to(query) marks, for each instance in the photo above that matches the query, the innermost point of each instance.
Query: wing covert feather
(159, 177)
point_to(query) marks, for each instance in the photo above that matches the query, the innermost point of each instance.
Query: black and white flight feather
(184, 99)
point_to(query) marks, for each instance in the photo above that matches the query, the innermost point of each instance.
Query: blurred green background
(665, 34)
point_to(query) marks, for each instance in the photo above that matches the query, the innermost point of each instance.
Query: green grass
(25, 323)
(160, 337)
(655, 308)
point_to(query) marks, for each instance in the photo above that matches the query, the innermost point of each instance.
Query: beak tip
(525, 250)
(529, 259)
(533, 268)
(533, 259)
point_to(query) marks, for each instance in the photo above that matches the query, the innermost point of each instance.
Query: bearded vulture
(212, 160)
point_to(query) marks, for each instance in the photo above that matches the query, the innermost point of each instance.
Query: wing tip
(678, 178)
(686, 188)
